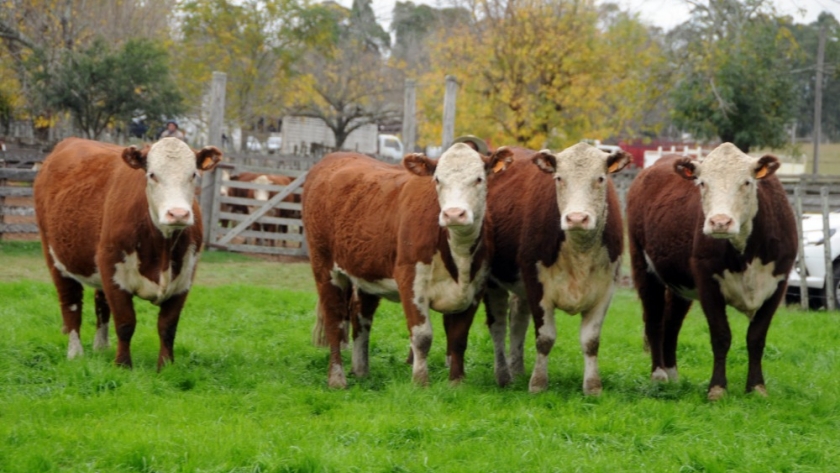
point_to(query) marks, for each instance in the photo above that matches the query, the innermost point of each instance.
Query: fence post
(214, 138)
(803, 284)
(830, 293)
(449, 113)
(409, 126)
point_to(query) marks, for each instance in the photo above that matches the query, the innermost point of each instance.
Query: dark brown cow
(125, 222)
(416, 234)
(558, 239)
(719, 230)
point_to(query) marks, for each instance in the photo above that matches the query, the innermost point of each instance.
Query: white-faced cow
(416, 234)
(124, 221)
(557, 234)
(719, 230)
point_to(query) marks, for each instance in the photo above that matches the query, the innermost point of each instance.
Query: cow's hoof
(337, 380)
(100, 340)
(74, 346)
(659, 376)
(592, 387)
(537, 384)
(760, 389)
(516, 367)
(503, 377)
(421, 378)
(673, 375)
(716, 393)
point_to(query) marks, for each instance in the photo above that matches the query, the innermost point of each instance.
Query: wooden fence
(17, 210)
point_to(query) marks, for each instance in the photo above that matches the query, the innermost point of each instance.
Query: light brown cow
(418, 235)
(125, 222)
(557, 232)
(719, 230)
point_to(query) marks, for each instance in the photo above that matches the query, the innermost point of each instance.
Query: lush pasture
(248, 392)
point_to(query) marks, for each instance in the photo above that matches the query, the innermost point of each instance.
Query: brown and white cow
(557, 234)
(416, 234)
(719, 230)
(125, 222)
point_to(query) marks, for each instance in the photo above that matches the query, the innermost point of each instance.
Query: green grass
(248, 392)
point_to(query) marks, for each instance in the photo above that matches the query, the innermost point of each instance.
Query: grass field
(247, 392)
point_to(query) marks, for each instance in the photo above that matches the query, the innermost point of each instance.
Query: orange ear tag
(206, 163)
(761, 173)
(500, 165)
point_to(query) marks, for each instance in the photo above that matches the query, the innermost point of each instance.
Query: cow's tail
(319, 335)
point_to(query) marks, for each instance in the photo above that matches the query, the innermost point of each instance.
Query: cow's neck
(462, 241)
(586, 241)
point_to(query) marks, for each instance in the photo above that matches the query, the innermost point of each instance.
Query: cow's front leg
(168, 317)
(546, 333)
(415, 301)
(590, 340)
(496, 306)
(457, 328)
(125, 321)
(757, 337)
(714, 307)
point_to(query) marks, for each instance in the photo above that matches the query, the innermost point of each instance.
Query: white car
(253, 144)
(273, 143)
(813, 241)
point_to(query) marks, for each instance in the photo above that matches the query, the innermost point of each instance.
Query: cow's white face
(171, 178)
(580, 180)
(727, 179)
(460, 177)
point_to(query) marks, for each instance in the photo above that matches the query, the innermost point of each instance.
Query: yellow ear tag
(206, 163)
(761, 173)
(613, 167)
(500, 165)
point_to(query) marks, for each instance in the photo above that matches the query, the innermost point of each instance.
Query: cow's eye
(747, 183)
(601, 179)
(702, 184)
(152, 177)
(437, 181)
(195, 175)
(479, 180)
(558, 178)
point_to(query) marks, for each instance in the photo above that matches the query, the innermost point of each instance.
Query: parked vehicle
(390, 146)
(253, 144)
(813, 239)
(273, 143)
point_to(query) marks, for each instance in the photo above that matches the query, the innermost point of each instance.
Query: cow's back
(70, 194)
(662, 217)
(350, 212)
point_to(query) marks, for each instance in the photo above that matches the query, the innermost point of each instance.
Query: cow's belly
(93, 280)
(127, 276)
(576, 282)
(748, 290)
(443, 293)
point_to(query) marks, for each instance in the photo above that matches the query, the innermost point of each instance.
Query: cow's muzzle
(721, 226)
(178, 217)
(577, 221)
(455, 216)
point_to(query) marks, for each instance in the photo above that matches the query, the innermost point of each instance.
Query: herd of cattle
(527, 232)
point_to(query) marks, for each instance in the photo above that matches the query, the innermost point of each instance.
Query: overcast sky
(663, 13)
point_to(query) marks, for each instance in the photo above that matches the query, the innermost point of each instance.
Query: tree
(735, 77)
(543, 73)
(100, 86)
(350, 85)
(256, 42)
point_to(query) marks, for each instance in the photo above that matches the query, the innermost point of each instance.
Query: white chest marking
(128, 277)
(94, 280)
(577, 281)
(443, 293)
(747, 291)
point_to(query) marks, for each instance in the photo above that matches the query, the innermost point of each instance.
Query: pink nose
(455, 216)
(177, 216)
(720, 223)
(577, 219)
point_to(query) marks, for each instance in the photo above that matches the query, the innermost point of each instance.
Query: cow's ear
(499, 160)
(418, 163)
(207, 158)
(545, 161)
(135, 158)
(766, 166)
(686, 168)
(617, 160)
